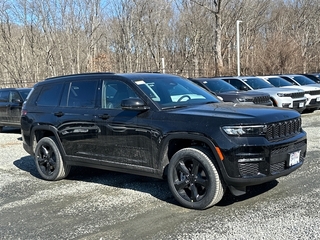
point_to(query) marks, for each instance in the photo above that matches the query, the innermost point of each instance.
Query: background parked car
(299, 80)
(313, 76)
(312, 93)
(229, 93)
(280, 97)
(11, 100)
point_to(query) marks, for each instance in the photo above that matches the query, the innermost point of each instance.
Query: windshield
(174, 91)
(219, 86)
(24, 93)
(279, 82)
(257, 83)
(302, 80)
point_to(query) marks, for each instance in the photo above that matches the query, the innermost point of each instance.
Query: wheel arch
(174, 142)
(41, 131)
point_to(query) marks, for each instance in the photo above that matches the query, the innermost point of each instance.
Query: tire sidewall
(59, 163)
(209, 169)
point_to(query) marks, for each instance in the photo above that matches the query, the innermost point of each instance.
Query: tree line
(192, 38)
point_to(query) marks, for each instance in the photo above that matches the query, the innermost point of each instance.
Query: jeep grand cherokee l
(281, 97)
(312, 93)
(162, 126)
(11, 100)
(229, 93)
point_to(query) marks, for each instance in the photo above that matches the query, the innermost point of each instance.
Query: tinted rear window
(50, 95)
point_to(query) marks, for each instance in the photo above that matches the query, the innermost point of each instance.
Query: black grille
(297, 95)
(260, 100)
(248, 169)
(277, 167)
(313, 102)
(317, 92)
(285, 129)
(297, 103)
(285, 149)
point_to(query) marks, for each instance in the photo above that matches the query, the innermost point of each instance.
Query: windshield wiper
(174, 107)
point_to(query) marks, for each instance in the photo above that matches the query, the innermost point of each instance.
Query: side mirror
(17, 100)
(244, 88)
(135, 104)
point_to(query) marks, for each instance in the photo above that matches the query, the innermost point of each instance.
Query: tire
(1, 127)
(194, 180)
(48, 160)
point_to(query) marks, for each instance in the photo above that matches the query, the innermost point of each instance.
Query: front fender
(173, 142)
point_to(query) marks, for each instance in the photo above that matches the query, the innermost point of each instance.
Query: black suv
(229, 93)
(11, 100)
(163, 126)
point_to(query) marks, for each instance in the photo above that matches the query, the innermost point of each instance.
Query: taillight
(24, 112)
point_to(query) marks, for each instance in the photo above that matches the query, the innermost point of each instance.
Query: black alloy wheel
(48, 160)
(194, 180)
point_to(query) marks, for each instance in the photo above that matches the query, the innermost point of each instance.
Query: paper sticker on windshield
(140, 82)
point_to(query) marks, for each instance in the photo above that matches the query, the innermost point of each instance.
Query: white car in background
(312, 90)
(281, 97)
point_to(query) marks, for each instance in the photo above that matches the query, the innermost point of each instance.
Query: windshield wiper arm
(174, 107)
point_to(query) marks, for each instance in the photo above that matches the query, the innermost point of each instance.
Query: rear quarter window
(49, 95)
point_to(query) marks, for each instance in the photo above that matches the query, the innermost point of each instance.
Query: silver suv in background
(312, 93)
(281, 97)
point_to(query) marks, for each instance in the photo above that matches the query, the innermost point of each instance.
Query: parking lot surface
(97, 204)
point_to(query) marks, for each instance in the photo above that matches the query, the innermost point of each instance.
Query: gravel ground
(96, 204)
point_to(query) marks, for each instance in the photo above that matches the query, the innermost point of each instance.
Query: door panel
(123, 138)
(4, 106)
(14, 108)
(75, 117)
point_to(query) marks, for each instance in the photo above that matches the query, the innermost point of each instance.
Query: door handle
(59, 114)
(118, 128)
(104, 116)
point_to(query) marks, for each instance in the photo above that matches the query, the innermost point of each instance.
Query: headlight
(245, 99)
(256, 130)
(284, 94)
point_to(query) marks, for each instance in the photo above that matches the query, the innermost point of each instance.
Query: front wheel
(193, 179)
(48, 160)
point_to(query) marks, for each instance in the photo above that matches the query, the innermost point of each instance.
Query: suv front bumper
(254, 165)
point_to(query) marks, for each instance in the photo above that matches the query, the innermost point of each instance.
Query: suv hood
(231, 111)
(278, 90)
(304, 87)
(243, 93)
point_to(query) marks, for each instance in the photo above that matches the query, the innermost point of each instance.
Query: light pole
(238, 47)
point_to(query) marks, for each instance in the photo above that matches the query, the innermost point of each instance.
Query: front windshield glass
(302, 80)
(219, 86)
(279, 82)
(24, 93)
(257, 83)
(174, 91)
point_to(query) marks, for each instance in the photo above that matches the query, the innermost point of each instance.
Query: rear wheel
(194, 180)
(48, 160)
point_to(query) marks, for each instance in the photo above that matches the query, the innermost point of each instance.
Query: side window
(14, 97)
(50, 95)
(290, 80)
(79, 94)
(4, 96)
(113, 92)
(236, 83)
